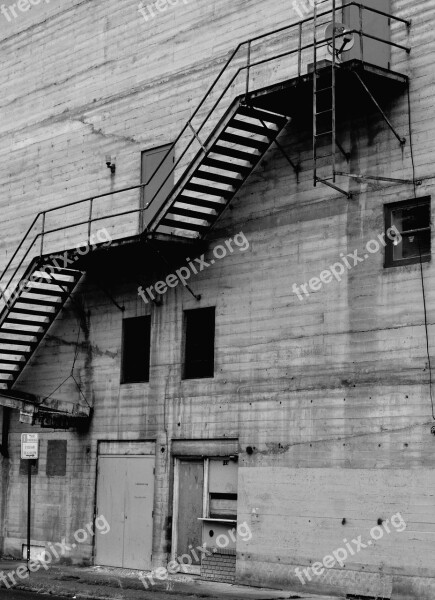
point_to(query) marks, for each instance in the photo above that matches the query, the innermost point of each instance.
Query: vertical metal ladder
(324, 99)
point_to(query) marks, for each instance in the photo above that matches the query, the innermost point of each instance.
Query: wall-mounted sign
(29, 446)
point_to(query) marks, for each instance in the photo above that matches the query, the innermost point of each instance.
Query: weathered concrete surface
(337, 382)
(123, 584)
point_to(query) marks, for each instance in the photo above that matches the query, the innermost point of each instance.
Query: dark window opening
(56, 458)
(136, 343)
(199, 343)
(408, 227)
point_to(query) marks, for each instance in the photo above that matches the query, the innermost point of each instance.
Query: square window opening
(408, 232)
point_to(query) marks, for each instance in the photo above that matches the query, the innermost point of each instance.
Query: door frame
(193, 569)
(122, 449)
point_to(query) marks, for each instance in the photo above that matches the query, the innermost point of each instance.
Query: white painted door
(125, 494)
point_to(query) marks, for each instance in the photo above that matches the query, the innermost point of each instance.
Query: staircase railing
(242, 54)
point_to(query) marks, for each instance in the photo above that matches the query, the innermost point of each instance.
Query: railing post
(300, 51)
(361, 31)
(42, 235)
(248, 65)
(142, 207)
(91, 205)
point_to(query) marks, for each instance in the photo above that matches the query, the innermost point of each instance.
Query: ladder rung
(324, 133)
(322, 112)
(323, 89)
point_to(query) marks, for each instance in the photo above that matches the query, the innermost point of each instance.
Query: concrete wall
(330, 394)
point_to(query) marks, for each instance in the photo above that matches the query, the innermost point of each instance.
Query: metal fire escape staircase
(231, 139)
(217, 173)
(29, 314)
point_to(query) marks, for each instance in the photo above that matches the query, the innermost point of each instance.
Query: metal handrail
(248, 67)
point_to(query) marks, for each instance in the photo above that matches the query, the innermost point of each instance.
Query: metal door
(160, 184)
(190, 497)
(125, 494)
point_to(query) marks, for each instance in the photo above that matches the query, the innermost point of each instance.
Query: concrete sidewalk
(105, 583)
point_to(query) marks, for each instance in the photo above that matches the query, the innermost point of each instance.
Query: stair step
(36, 313)
(8, 361)
(199, 202)
(225, 166)
(225, 151)
(257, 113)
(18, 331)
(175, 210)
(243, 141)
(44, 292)
(16, 342)
(54, 277)
(9, 369)
(10, 321)
(36, 302)
(204, 189)
(251, 128)
(70, 272)
(218, 178)
(10, 351)
(184, 225)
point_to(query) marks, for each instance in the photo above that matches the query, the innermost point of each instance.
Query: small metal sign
(29, 446)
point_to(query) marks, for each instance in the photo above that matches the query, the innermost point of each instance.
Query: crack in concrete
(98, 131)
(84, 346)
